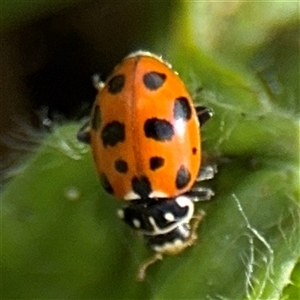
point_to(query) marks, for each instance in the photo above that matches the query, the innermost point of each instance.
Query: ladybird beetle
(144, 132)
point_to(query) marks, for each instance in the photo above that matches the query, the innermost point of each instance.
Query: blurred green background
(60, 237)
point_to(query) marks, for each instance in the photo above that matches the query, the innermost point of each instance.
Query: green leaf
(60, 235)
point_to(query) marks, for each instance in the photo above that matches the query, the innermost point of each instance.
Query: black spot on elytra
(116, 84)
(154, 80)
(121, 166)
(113, 133)
(96, 119)
(106, 184)
(194, 150)
(158, 129)
(141, 186)
(182, 109)
(183, 177)
(156, 162)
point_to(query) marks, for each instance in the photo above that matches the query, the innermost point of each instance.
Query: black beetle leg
(207, 172)
(97, 82)
(83, 134)
(204, 114)
(200, 193)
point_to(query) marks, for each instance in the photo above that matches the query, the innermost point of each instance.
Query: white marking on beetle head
(152, 221)
(169, 217)
(183, 201)
(136, 223)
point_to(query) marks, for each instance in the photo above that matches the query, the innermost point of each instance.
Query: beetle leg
(83, 134)
(197, 218)
(204, 114)
(207, 172)
(97, 82)
(200, 193)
